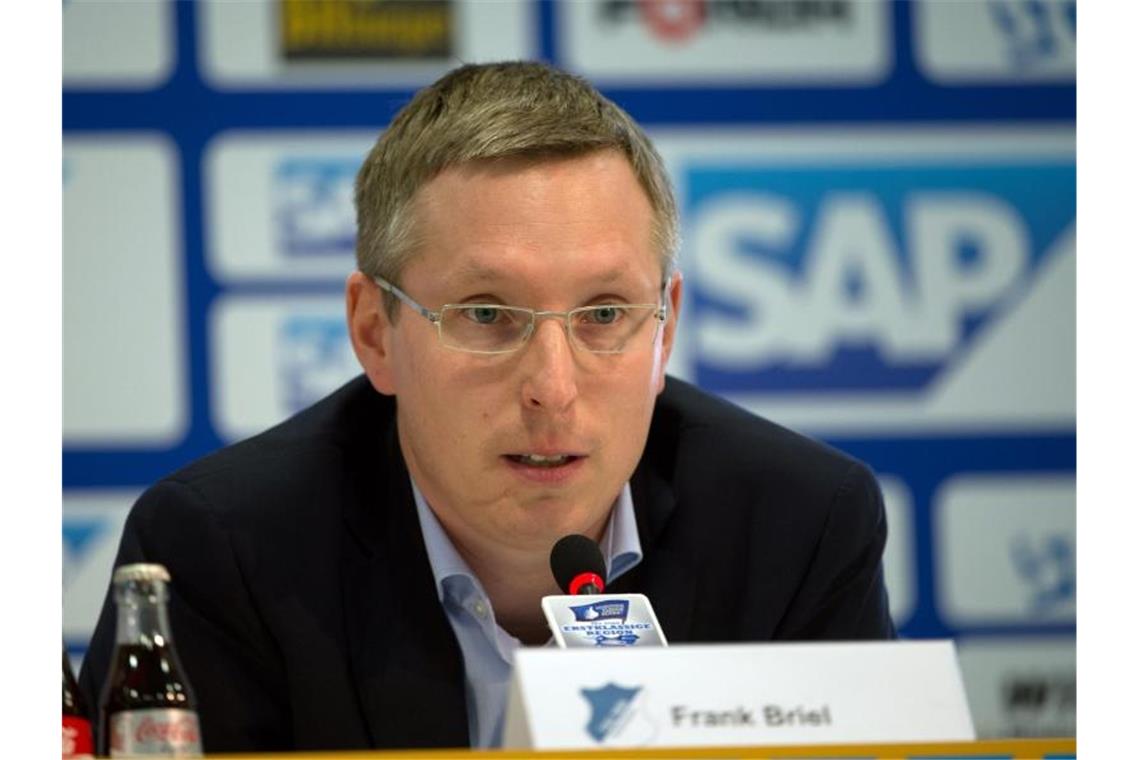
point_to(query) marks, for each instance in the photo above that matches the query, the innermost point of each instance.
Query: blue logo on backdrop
(1036, 31)
(860, 278)
(611, 707)
(313, 206)
(314, 358)
(1048, 568)
(599, 611)
(80, 535)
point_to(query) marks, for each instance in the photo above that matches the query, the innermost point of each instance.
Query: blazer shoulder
(722, 438)
(303, 460)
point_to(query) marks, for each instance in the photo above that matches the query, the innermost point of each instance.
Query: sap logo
(313, 206)
(616, 717)
(1049, 570)
(1035, 31)
(860, 278)
(314, 357)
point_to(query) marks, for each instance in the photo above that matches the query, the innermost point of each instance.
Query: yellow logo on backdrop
(337, 29)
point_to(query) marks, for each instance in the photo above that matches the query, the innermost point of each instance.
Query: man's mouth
(540, 460)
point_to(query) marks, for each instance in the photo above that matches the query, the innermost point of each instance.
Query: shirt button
(480, 609)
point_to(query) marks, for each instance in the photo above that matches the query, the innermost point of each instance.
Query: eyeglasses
(488, 328)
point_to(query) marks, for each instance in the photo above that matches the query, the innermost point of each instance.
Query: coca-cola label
(77, 737)
(162, 732)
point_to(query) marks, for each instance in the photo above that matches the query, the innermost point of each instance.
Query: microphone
(578, 566)
(586, 617)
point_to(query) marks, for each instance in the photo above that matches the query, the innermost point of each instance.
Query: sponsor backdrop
(879, 211)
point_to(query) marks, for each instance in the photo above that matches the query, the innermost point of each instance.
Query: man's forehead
(477, 271)
(544, 218)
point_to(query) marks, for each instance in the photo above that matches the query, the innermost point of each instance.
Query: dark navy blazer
(303, 604)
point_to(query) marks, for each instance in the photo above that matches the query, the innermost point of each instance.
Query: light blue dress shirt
(487, 648)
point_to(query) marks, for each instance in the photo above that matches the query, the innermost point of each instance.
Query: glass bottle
(76, 720)
(147, 707)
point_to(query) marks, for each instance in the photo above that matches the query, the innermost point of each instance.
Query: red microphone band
(582, 579)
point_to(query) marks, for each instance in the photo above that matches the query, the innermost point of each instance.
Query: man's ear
(669, 329)
(369, 330)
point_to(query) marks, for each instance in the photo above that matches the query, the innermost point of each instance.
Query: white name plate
(737, 694)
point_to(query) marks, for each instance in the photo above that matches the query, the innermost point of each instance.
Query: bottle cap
(140, 571)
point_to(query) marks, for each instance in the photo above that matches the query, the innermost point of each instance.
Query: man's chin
(543, 534)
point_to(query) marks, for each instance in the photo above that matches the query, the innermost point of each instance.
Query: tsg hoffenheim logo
(1036, 31)
(1048, 567)
(616, 717)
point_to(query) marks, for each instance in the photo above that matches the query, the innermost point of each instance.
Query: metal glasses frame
(436, 317)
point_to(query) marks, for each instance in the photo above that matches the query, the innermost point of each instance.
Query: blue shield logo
(1049, 569)
(610, 709)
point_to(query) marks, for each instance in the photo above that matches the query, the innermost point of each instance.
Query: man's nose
(550, 368)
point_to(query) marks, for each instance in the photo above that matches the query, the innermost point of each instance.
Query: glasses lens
(485, 328)
(607, 329)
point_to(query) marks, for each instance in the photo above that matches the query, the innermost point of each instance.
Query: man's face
(548, 235)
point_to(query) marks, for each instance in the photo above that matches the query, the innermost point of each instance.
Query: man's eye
(483, 315)
(605, 315)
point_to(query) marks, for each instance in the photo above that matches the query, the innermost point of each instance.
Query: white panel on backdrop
(280, 204)
(854, 280)
(117, 45)
(999, 41)
(1006, 549)
(274, 356)
(1021, 686)
(836, 43)
(239, 43)
(898, 555)
(92, 526)
(124, 339)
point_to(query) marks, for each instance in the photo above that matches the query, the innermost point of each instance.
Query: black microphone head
(574, 555)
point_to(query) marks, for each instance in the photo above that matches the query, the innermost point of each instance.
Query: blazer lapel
(402, 652)
(666, 577)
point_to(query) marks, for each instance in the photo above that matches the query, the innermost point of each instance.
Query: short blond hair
(483, 112)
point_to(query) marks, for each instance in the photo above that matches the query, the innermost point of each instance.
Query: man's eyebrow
(471, 272)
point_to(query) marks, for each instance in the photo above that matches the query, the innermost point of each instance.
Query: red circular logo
(673, 20)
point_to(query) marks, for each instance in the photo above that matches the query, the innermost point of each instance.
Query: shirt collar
(620, 544)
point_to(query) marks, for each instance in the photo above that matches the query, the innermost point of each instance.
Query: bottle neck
(142, 614)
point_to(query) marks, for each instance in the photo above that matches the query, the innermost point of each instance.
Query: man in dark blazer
(360, 575)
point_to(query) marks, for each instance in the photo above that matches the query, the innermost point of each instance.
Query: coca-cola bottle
(147, 707)
(76, 720)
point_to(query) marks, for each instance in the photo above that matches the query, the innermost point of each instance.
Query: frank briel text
(772, 716)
